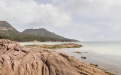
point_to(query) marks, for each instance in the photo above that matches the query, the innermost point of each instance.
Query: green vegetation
(27, 37)
(9, 32)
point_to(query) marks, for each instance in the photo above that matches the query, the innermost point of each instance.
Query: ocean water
(107, 55)
(112, 48)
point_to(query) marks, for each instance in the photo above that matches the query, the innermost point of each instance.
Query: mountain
(5, 27)
(9, 32)
(42, 32)
(45, 33)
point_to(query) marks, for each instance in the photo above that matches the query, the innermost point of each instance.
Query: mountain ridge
(6, 27)
(42, 32)
(9, 32)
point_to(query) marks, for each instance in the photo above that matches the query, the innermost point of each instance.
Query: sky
(84, 20)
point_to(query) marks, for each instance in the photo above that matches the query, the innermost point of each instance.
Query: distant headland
(38, 35)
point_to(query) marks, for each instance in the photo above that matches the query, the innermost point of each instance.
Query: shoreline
(56, 46)
(104, 61)
(71, 47)
(16, 59)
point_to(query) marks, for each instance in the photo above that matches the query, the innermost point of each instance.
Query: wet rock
(80, 52)
(17, 60)
(83, 57)
(95, 65)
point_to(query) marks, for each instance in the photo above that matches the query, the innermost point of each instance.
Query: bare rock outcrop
(17, 60)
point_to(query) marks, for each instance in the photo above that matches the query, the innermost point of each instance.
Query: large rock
(17, 60)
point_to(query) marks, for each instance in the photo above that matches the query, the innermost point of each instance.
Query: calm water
(106, 54)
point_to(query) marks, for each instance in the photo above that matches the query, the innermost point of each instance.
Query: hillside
(9, 32)
(7, 28)
(42, 32)
(45, 33)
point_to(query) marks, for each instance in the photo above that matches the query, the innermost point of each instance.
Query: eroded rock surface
(17, 60)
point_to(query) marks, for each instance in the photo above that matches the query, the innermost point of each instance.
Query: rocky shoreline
(18, 60)
(66, 45)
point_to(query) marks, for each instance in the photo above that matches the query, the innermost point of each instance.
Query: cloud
(30, 13)
(98, 20)
(84, 6)
(85, 20)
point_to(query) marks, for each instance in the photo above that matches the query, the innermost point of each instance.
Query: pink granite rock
(17, 60)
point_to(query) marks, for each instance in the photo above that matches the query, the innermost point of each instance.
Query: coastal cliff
(18, 60)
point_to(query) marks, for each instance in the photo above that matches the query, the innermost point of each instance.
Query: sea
(107, 55)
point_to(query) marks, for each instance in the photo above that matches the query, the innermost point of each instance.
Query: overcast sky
(84, 20)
